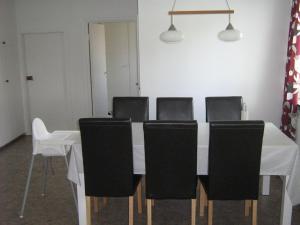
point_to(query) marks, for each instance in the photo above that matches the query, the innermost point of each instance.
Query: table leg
(286, 205)
(266, 185)
(82, 217)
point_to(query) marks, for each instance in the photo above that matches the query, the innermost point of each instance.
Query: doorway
(114, 63)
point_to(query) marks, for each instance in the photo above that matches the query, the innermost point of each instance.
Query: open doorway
(114, 63)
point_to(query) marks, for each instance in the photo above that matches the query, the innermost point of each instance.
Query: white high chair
(48, 145)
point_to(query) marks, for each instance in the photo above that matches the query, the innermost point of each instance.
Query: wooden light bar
(201, 12)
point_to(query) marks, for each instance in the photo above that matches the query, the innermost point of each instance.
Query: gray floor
(57, 208)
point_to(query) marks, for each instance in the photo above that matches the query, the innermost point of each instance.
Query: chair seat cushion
(239, 193)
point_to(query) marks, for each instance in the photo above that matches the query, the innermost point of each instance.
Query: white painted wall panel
(11, 110)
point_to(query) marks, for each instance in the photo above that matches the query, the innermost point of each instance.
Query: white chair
(42, 146)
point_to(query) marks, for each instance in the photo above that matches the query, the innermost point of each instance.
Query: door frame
(24, 73)
(112, 20)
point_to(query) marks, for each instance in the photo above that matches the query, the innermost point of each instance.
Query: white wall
(203, 66)
(11, 110)
(72, 18)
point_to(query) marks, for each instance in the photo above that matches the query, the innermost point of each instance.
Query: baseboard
(12, 141)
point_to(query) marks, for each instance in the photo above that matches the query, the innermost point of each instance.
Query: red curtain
(290, 102)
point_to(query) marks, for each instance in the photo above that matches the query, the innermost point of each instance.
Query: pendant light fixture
(172, 35)
(230, 34)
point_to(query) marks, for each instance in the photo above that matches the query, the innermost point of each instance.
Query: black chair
(223, 108)
(174, 109)
(108, 160)
(171, 162)
(234, 164)
(135, 108)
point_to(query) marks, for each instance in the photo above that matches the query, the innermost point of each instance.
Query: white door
(45, 77)
(121, 60)
(133, 59)
(98, 69)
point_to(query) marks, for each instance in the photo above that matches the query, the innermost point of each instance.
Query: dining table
(280, 157)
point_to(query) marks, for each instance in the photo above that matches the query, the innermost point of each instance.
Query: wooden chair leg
(194, 202)
(96, 205)
(247, 207)
(205, 199)
(254, 212)
(88, 210)
(202, 200)
(105, 201)
(149, 212)
(130, 206)
(139, 198)
(152, 201)
(210, 212)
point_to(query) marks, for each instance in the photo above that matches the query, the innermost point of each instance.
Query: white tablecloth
(280, 156)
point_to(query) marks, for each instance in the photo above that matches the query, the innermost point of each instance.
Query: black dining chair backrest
(171, 159)
(107, 157)
(234, 160)
(223, 108)
(135, 108)
(174, 109)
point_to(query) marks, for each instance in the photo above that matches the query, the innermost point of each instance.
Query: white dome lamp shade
(172, 35)
(230, 34)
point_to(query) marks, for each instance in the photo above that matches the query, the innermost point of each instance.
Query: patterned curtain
(289, 115)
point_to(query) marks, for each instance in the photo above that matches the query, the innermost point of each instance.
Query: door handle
(29, 78)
